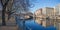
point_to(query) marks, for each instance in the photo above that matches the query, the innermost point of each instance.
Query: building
(57, 8)
(57, 23)
(38, 16)
(38, 12)
(42, 14)
(49, 12)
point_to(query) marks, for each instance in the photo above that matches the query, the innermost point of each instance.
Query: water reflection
(32, 25)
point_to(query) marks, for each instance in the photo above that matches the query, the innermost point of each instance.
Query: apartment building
(38, 16)
(42, 14)
(48, 11)
(57, 9)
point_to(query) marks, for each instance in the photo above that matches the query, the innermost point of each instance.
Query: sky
(0, 6)
(43, 3)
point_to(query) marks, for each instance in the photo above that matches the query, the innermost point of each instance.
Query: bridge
(25, 15)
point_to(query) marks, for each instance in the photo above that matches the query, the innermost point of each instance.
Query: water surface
(32, 25)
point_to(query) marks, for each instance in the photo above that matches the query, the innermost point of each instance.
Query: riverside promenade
(10, 25)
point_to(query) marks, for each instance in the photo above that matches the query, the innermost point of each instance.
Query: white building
(45, 13)
(48, 11)
(57, 8)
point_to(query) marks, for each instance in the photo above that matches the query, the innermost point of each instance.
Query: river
(32, 25)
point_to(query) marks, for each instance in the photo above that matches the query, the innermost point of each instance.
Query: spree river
(32, 25)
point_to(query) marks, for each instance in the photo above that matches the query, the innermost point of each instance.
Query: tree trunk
(4, 4)
(3, 16)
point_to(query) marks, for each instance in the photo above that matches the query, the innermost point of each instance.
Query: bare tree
(10, 7)
(5, 7)
(4, 4)
(21, 5)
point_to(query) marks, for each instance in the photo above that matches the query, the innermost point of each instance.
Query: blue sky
(43, 3)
